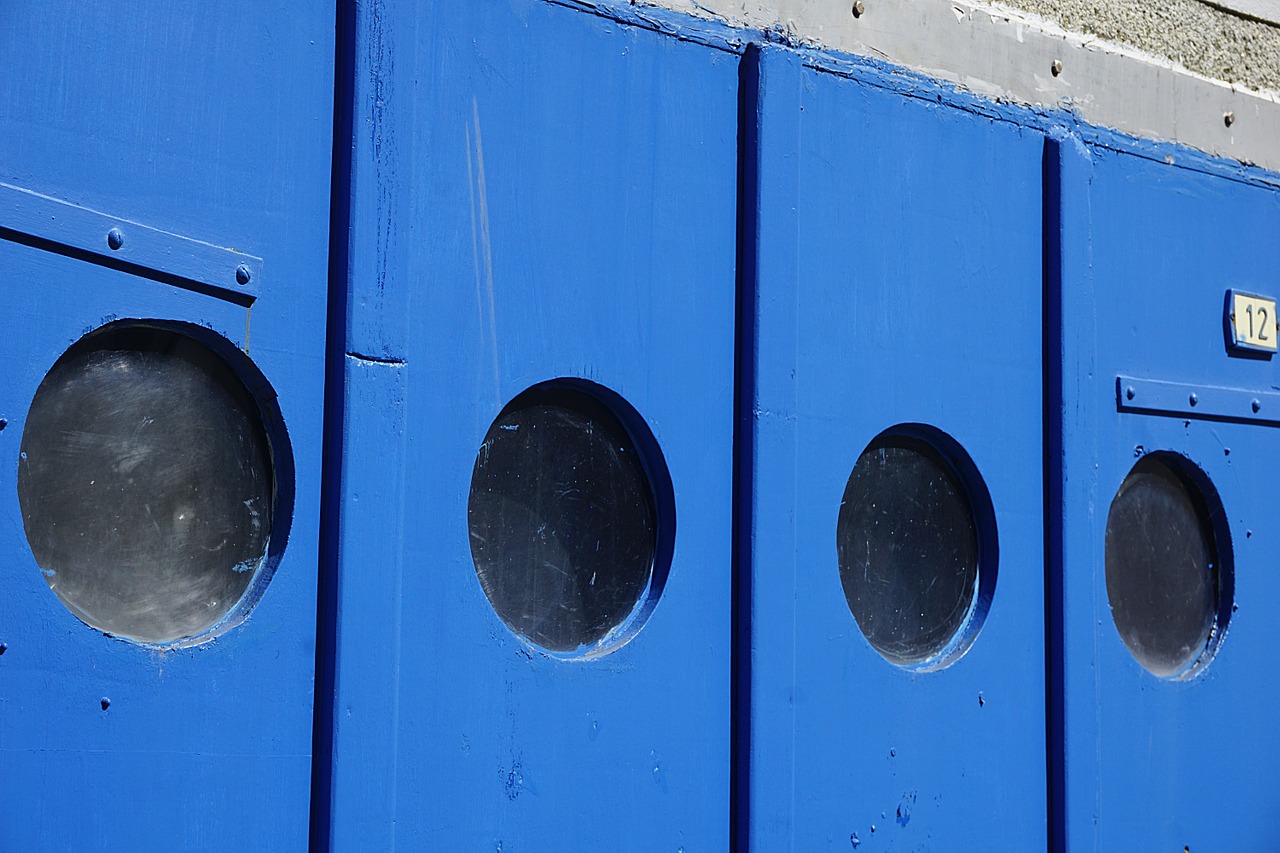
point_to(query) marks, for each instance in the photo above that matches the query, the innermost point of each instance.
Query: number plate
(1252, 320)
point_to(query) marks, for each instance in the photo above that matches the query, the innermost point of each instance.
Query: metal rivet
(243, 275)
(1193, 399)
(1129, 393)
(858, 8)
(105, 702)
(1056, 67)
(3, 423)
(1256, 405)
(1228, 118)
(115, 239)
(3, 648)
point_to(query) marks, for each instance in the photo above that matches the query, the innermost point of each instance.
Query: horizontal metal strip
(1207, 402)
(39, 220)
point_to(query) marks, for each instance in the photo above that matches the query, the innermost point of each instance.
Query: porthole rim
(1208, 502)
(259, 391)
(957, 462)
(658, 479)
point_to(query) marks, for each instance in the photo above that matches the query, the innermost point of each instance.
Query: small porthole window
(147, 483)
(570, 518)
(1168, 566)
(916, 547)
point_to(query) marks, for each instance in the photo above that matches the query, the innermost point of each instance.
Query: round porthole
(147, 482)
(570, 518)
(1168, 566)
(916, 547)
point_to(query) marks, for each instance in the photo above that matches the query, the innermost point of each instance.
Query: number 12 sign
(1251, 322)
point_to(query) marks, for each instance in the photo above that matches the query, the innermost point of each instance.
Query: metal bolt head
(1129, 393)
(1193, 399)
(1056, 67)
(858, 8)
(115, 239)
(1256, 405)
(1228, 118)
(105, 703)
(243, 275)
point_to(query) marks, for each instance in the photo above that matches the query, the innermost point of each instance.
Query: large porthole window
(147, 481)
(1168, 564)
(916, 547)
(571, 518)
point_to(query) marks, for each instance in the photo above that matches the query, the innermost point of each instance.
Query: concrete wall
(1200, 74)
(1215, 40)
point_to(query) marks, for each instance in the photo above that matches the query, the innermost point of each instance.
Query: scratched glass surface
(562, 520)
(907, 549)
(145, 484)
(1162, 568)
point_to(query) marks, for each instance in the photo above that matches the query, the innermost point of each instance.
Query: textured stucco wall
(1193, 34)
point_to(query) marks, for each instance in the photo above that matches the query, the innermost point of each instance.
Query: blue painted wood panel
(1148, 250)
(212, 123)
(899, 264)
(537, 192)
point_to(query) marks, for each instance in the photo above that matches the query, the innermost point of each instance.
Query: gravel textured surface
(1195, 35)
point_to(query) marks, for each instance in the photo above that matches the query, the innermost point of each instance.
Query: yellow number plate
(1253, 322)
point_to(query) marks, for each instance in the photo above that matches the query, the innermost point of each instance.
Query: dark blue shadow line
(334, 437)
(1051, 354)
(748, 224)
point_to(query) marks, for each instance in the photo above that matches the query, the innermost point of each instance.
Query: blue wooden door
(897, 684)
(164, 187)
(542, 244)
(1168, 469)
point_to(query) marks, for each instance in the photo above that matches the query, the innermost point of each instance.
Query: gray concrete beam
(1012, 54)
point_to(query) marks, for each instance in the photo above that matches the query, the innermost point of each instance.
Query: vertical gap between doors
(744, 444)
(1051, 353)
(333, 439)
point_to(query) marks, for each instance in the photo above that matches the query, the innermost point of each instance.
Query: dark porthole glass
(567, 532)
(911, 551)
(1166, 566)
(146, 483)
